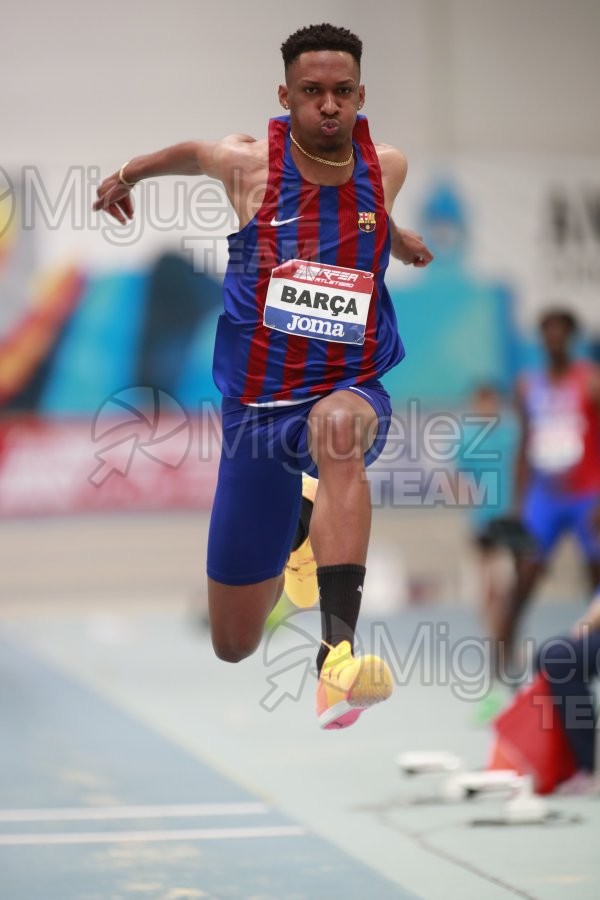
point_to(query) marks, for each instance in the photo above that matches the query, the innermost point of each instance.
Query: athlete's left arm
(595, 395)
(595, 385)
(407, 246)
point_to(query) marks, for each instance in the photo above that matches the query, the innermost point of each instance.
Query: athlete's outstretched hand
(410, 248)
(114, 197)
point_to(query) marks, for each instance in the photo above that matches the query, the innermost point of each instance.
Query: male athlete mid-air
(307, 331)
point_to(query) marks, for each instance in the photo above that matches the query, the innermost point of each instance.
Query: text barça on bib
(329, 303)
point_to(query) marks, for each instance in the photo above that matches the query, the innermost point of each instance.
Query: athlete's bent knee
(337, 435)
(235, 649)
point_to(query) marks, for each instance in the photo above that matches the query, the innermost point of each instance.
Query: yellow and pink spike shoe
(301, 570)
(348, 685)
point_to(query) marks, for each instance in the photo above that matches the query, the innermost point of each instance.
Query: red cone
(530, 739)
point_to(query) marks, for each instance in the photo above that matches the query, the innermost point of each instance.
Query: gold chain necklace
(326, 162)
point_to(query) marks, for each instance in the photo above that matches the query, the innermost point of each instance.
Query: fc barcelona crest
(366, 221)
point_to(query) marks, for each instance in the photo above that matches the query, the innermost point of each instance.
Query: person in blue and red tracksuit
(558, 467)
(307, 331)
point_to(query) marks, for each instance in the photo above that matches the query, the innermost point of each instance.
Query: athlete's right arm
(522, 472)
(188, 158)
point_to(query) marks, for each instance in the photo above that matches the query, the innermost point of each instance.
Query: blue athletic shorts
(549, 513)
(257, 502)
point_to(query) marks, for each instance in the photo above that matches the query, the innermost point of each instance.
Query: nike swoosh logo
(275, 223)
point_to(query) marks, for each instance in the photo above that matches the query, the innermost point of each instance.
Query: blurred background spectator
(557, 476)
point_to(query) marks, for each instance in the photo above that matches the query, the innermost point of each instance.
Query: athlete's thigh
(254, 518)
(584, 527)
(543, 516)
(379, 424)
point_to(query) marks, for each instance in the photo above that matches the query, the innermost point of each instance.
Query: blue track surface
(65, 750)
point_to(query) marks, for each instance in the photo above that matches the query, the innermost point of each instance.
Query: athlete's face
(323, 93)
(556, 336)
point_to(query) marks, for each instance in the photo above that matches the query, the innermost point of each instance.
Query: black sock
(340, 593)
(303, 523)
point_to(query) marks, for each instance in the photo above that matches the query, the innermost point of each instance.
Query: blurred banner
(127, 459)
(101, 326)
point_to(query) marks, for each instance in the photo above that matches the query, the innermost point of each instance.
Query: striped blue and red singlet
(343, 226)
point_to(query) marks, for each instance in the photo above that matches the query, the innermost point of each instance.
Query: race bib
(555, 446)
(330, 303)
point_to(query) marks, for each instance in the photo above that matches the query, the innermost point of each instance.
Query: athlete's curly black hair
(320, 37)
(559, 314)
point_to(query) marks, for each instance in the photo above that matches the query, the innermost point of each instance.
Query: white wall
(519, 76)
(99, 82)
